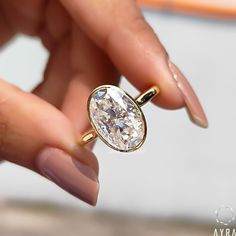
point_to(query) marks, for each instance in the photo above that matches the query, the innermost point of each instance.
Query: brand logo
(225, 217)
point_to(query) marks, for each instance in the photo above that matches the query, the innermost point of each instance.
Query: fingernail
(73, 176)
(194, 108)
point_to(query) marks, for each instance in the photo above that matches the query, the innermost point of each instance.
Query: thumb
(36, 135)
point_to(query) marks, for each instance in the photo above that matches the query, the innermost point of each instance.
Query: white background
(182, 170)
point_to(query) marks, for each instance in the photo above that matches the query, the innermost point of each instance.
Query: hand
(91, 42)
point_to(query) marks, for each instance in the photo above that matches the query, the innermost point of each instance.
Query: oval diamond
(117, 118)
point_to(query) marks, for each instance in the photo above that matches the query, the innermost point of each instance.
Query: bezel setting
(137, 111)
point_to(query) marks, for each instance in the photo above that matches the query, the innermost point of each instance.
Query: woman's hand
(91, 42)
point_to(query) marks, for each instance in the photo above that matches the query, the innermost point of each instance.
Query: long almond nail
(193, 105)
(68, 173)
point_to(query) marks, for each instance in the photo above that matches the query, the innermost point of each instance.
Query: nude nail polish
(193, 105)
(73, 176)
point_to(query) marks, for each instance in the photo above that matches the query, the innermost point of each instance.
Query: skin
(91, 42)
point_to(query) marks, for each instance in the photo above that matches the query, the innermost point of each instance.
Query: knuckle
(138, 24)
(133, 24)
(145, 33)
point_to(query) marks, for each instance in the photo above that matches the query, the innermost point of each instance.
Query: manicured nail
(194, 108)
(73, 176)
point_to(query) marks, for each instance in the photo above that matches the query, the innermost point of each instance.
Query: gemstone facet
(117, 118)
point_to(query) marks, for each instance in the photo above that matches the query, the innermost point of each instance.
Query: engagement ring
(117, 118)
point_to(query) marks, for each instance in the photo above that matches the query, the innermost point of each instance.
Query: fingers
(36, 135)
(57, 75)
(62, 86)
(91, 68)
(118, 27)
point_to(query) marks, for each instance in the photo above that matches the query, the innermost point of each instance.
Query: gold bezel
(98, 133)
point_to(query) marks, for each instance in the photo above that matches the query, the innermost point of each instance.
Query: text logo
(224, 217)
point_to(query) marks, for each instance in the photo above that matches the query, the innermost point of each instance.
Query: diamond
(117, 118)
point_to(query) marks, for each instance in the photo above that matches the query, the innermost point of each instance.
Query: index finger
(118, 27)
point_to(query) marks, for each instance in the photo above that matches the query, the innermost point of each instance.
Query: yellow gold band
(88, 137)
(147, 96)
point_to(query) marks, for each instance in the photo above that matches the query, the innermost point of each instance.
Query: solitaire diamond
(117, 118)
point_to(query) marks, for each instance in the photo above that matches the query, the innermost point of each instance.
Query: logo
(225, 217)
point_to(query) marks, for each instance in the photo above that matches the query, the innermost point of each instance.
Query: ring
(117, 118)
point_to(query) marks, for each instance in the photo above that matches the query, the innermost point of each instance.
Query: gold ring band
(117, 118)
